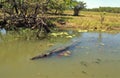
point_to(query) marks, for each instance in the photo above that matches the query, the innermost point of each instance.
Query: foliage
(25, 14)
(57, 6)
(105, 9)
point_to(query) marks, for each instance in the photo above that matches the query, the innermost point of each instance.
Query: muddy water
(97, 56)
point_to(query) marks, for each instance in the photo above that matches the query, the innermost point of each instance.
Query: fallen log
(56, 51)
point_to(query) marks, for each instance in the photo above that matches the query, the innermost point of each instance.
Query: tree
(56, 6)
(25, 14)
(79, 6)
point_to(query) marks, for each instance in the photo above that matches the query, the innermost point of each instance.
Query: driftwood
(56, 51)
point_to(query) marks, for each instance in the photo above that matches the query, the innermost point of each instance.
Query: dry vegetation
(92, 21)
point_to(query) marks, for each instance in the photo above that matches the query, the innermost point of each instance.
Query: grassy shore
(91, 21)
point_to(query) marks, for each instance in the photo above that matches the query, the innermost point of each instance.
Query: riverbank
(85, 22)
(91, 21)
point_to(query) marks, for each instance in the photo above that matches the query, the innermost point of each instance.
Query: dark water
(96, 56)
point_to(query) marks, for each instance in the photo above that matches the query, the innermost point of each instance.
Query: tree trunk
(76, 11)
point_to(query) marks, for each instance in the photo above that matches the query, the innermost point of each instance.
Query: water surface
(97, 56)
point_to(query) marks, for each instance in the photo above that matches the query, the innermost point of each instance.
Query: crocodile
(58, 51)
